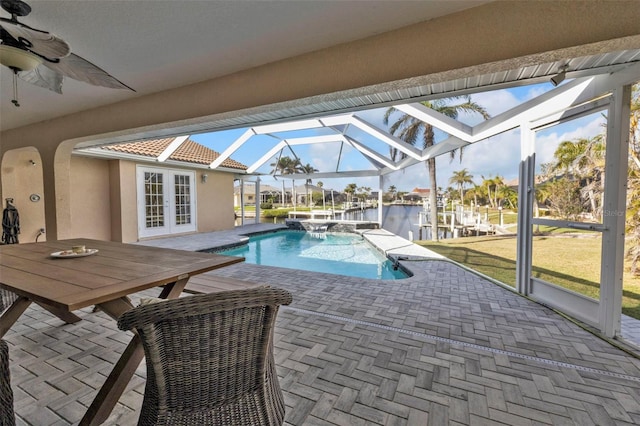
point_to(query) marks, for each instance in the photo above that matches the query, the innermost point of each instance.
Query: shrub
(266, 206)
(276, 213)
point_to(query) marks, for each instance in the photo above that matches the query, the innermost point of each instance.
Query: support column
(258, 200)
(241, 202)
(615, 192)
(380, 191)
(526, 193)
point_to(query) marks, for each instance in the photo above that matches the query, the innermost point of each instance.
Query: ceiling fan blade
(75, 67)
(40, 42)
(43, 77)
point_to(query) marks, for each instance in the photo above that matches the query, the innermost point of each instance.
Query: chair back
(7, 297)
(7, 416)
(210, 357)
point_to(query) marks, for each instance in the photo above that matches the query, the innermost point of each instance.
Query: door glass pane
(569, 258)
(569, 195)
(154, 200)
(569, 181)
(182, 187)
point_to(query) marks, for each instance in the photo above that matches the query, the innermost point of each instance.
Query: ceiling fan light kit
(18, 59)
(41, 58)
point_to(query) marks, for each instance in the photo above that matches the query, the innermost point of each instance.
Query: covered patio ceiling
(585, 79)
(153, 46)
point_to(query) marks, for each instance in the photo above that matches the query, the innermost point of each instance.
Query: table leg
(66, 316)
(12, 313)
(115, 385)
(128, 363)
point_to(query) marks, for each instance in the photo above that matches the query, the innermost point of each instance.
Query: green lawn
(561, 260)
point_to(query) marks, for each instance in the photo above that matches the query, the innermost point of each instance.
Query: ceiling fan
(42, 58)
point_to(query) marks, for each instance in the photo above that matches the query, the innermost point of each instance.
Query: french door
(166, 201)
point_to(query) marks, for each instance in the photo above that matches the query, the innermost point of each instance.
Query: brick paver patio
(443, 347)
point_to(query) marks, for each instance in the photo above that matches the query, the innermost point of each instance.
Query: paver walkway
(443, 347)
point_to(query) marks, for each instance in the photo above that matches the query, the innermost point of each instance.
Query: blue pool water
(343, 254)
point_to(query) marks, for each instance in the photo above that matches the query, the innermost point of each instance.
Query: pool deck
(443, 347)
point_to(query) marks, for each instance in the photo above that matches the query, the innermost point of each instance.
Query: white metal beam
(287, 126)
(293, 142)
(328, 175)
(436, 119)
(171, 148)
(450, 144)
(232, 148)
(374, 131)
(370, 153)
(558, 99)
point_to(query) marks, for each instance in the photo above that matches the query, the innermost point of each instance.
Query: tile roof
(189, 151)
(421, 191)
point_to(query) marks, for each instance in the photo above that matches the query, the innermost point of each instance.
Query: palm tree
(364, 191)
(498, 184)
(287, 166)
(488, 183)
(583, 159)
(350, 190)
(460, 179)
(393, 191)
(633, 184)
(307, 169)
(409, 129)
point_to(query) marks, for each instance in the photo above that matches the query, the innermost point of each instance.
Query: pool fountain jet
(319, 231)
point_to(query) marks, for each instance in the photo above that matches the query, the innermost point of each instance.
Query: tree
(364, 192)
(564, 198)
(633, 184)
(488, 184)
(509, 197)
(460, 179)
(393, 191)
(307, 169)
(582, 159)
(498, 185)
(350, 190)
(410, 129)
(450, 193)
(287, 166)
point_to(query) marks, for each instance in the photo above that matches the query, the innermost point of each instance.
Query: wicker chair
(7, 416)
(210, 358)
(7, 297)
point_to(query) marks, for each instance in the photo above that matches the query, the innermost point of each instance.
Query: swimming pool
(335, 253)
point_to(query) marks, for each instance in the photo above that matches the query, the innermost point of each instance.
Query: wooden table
(105, 279)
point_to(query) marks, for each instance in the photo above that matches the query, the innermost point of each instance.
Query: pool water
(343, 254)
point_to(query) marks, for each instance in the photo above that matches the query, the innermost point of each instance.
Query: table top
(116, 270)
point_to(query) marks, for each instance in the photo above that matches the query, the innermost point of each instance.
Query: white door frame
(167, 217)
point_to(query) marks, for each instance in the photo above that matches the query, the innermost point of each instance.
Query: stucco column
(56, 165)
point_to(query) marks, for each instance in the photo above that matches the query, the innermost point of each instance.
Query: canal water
(398, 219)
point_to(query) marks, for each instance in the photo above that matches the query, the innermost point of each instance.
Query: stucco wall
(20, 179)
(104, 199)
(215, 201)
(90, 198)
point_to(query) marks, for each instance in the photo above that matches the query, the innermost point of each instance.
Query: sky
(496, 156)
